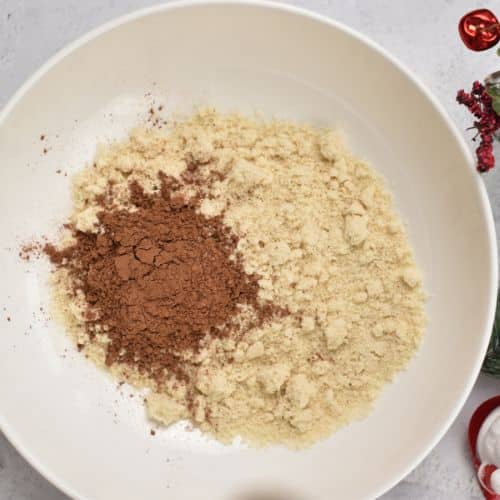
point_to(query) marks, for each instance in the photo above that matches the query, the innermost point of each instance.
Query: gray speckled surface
(420, 33)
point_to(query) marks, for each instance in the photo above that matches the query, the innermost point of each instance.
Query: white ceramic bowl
(66, 417)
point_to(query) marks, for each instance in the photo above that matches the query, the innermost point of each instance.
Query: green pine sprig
(491, 363)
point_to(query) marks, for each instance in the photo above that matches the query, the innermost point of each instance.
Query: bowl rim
(476, 183)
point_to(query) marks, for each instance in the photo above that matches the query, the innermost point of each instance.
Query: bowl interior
(68, 418)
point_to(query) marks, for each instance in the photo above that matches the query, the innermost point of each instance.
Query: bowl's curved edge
(475, 180)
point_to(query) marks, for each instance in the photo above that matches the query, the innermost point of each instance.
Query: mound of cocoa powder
(159, 279)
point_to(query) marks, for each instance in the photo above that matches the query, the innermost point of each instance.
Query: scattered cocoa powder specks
(33, 249)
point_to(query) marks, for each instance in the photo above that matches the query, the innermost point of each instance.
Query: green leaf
(493, 91)
(498, 52)
(496, 105)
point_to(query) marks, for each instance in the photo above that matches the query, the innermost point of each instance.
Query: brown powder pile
(158, 279)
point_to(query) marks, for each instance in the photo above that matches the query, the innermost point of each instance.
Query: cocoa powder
(159, 279)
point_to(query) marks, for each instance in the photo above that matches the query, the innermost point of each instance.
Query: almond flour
(318, 227)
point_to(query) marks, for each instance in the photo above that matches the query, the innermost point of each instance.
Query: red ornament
(483, 471)
(479, 29)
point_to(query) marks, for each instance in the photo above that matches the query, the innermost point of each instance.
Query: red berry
(479, 29)
(477, 88)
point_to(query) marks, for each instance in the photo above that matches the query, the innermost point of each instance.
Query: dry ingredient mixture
(253, 275)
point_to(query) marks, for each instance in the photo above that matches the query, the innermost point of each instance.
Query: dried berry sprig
(480, 103)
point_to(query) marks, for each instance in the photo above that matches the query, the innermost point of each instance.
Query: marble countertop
(421, 33)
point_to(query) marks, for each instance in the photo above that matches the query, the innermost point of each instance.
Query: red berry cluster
(487, 123)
